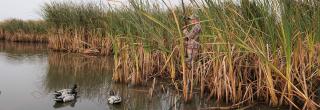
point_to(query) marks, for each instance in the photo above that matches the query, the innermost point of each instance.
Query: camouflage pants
(192, 51)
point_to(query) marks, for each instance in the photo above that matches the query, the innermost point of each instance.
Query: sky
(31, 9)
(22, 9)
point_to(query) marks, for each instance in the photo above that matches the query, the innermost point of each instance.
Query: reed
(250, 51)
(77, 27)
(23, 31)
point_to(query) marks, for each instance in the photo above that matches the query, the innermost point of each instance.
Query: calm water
(30, 73)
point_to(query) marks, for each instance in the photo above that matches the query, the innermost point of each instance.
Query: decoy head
(111, 93)
(74, 86)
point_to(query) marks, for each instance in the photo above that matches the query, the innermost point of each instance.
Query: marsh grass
(250, 51)
(23, 31)
(77, 27)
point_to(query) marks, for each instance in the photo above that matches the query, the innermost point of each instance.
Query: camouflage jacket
(192, 36)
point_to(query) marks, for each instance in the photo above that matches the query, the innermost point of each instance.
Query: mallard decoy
(65, 91)
(113, 99)
(65, 98)
(66, 95)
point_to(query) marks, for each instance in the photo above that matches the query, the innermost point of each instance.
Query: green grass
(70, 15)
(16, 25)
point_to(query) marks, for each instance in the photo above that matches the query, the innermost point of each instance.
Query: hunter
(192, 39)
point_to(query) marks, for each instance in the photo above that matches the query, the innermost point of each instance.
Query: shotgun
(185, 18)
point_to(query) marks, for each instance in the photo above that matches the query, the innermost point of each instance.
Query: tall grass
(250, 51)
(24, 31)
(77, 27)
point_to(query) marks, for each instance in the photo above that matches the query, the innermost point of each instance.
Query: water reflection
(42, 71)
(29, 73)
(58, 105)
(92, 74)
(18, 50)
(21, 67)
(94, 77)
(23, 52)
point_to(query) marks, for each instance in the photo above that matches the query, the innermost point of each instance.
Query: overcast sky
(30, 9)
(23, 9)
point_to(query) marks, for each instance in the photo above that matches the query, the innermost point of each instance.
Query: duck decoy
(66, 95)
(113, 99)
(65, 91)
(66, 98)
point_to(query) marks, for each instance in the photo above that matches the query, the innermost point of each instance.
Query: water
(30, 73)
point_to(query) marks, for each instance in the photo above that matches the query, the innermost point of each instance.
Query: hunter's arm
(195, 30)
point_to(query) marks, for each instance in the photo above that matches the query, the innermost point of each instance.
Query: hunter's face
(193, 21)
